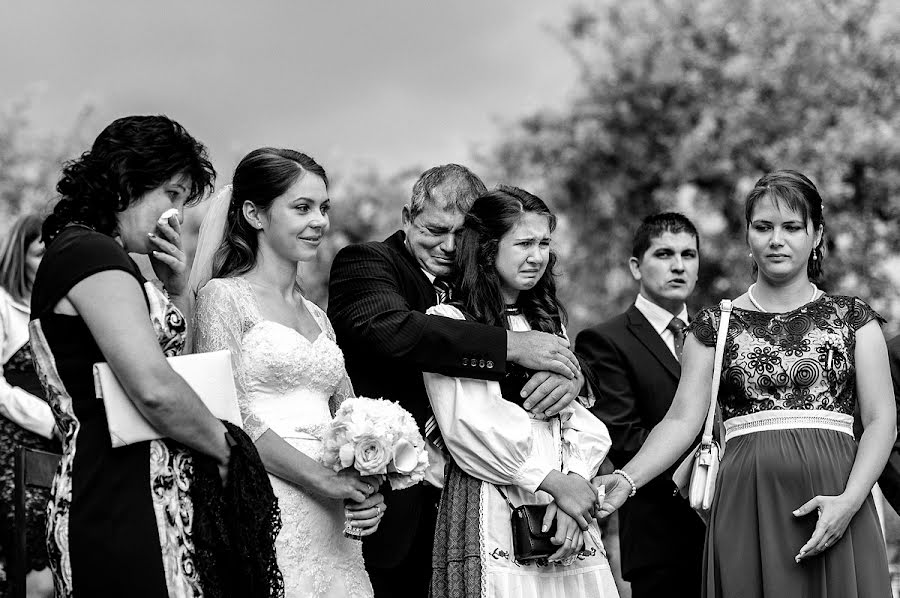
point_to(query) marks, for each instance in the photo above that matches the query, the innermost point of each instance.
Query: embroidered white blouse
(17, 405)
(493, 439)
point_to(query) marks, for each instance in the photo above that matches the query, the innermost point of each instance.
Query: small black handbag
(529, 542)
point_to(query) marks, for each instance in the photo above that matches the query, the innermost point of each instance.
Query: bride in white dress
(289, 372)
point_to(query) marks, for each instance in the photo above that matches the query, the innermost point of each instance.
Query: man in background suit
(632, 362)
(378, 295)
(889, 482)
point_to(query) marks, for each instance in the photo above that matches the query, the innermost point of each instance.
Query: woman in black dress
(793, 513)
(120, 519)
(25, 417)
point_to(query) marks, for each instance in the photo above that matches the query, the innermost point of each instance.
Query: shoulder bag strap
(725, 310)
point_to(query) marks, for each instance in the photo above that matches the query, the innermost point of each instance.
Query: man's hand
(548, 394)
(541, 351)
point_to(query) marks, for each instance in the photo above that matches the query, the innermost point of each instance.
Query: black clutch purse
(529, 542)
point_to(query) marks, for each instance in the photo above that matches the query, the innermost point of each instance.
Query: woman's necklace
(815, 291)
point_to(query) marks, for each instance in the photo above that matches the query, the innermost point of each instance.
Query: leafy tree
(683, 104)
(30, 161)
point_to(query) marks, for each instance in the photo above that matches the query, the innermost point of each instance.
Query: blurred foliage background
(680, 105)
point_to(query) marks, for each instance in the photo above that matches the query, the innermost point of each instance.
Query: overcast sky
(390, 83)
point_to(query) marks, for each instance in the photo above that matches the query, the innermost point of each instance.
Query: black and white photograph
(505, 299)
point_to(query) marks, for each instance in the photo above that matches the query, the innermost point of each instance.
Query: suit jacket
(634, 376)
(890, 478)
(377, 298)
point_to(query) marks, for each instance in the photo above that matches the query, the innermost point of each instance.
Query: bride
(288, 371)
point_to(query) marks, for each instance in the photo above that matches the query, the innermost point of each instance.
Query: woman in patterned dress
(793, 513)
(25, 417)
(120, 519)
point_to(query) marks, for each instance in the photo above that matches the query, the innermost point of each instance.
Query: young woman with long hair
(500, 455)
(25, 416)
(289, 372)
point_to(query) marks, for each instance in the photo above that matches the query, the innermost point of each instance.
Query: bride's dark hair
(263, 175)
(492, 216)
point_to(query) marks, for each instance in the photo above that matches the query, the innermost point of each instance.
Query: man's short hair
(655, 225)
(460, 185)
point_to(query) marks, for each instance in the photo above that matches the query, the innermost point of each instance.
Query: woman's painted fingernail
(544, 527)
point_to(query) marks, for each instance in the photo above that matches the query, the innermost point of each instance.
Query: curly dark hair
(492, 216)
(131, 157)
(261, 176)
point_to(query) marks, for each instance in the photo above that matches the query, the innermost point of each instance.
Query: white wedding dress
(289, 385)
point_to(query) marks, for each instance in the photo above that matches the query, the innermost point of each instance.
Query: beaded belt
(786, 419)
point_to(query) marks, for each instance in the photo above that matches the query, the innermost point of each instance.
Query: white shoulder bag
(696, 476)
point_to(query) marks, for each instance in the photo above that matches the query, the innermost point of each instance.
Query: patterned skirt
(13, 436)
(473, 554)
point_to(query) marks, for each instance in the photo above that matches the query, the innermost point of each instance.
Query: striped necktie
(444, 293)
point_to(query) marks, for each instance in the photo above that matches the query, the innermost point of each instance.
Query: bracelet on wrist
(628, 479)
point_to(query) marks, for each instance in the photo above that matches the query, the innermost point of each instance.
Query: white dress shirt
(659, 318)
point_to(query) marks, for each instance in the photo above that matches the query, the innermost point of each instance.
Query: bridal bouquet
(376, 437)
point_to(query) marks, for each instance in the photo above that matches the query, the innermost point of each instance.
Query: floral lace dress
(289, 385)
(788, 394)
(120, 519)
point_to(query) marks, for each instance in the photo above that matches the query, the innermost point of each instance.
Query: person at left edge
(25, 417)
(378, 295)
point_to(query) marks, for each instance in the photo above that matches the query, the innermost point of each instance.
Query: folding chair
(32, 468)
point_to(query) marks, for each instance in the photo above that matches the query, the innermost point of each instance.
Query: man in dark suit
(632, 362)
(378, 295)
(889, 482)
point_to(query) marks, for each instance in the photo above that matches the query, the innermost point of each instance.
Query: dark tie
(443, 290)
(444, 293)
(677, 327)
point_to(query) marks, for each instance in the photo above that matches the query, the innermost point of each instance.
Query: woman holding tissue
(501, 456)
(288, 370)
(120, 519)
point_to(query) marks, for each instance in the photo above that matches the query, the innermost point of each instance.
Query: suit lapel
(406, 260)
(645, 333)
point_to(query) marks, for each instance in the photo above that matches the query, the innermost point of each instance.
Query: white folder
(209, 374)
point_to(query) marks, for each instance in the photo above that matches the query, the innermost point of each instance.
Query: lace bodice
(802, 359)
(270, 359)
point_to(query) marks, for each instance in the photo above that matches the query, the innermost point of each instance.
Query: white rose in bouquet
(375, 436)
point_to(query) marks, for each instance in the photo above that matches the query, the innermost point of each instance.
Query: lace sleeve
(705, 326)
(219, 323)
(345, 389)
(860, 314)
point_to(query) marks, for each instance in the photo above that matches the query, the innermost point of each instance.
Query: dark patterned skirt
(13, 436)
(456, 559)
(753, 535)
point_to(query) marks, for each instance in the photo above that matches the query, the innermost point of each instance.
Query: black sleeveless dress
(120, 520)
